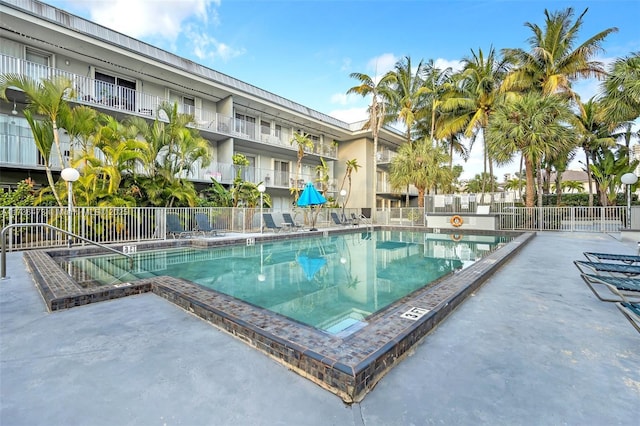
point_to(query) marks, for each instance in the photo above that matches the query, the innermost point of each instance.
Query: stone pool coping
(349, 366)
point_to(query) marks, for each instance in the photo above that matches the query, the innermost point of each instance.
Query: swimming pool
(350, 347)
(331, 283)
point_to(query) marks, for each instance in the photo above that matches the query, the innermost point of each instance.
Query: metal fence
(124, 225)
(567, 219)
(118, 225)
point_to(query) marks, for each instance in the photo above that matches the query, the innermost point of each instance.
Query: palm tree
(46, 98)
(422, 164)
(302, 142)
(475, 99)
(380, 95)
(592, 132)
(552, 62)
(607, 171)
(43, 137)
(173, 149)
(352, 166)
(530, 125)
(437, 82)
(409, 95)
(622, 89)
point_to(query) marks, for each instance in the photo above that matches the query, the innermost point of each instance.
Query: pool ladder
(71, 235)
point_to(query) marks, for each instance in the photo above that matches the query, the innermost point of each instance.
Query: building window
(37, 65)
(278, 131)
(245, 125)
(265, 127)
(115, 91)
(281, 173)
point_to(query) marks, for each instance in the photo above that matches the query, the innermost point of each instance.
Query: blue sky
(304, 50)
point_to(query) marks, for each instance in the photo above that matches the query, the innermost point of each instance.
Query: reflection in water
(330, 283)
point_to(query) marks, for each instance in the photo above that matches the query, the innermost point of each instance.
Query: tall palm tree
(380, 93)
(409, 94)
(554, 60)
(43, 137)
(302, 143)
(530, 125)
(437, 82)
(476, 97)
(352, 166)
(593, 134)
(622, 89)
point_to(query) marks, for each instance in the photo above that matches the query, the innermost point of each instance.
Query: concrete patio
(533, 347)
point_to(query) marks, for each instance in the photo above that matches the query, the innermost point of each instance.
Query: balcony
(225, 173)
(112, 97)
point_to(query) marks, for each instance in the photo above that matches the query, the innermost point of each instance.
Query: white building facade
(122, 76)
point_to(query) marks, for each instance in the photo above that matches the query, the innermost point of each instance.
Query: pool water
(331, 283)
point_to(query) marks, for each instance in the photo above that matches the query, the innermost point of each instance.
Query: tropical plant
(593, 134)
(482, 182)
(408, 98)
(173, 150)
(302, 142)
(421, 164)
(622, 89)
(351, 166)
(531, 125)
(45, 97)
(43, 138)
(553, 62)
(476, 96)
(380, 93)
(322, 176)
(607, 171)
(217, 195)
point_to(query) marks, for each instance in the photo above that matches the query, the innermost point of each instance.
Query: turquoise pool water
(331, 283)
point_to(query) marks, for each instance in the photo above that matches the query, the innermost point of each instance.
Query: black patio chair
(175, 228)
(269, 223)
(290, 222)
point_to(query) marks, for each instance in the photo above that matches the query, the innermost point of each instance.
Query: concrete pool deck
(533, 346)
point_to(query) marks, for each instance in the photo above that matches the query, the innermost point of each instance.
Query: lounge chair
(623, 288)
(336, 219)
(269, 223)
(355, 220)
(613, 269)
(175, 228)
(624, 258)
(631, 311)
(203, 225)
(288, 220)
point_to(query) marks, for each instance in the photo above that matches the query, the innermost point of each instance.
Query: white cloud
(207, 47)
(445, 63)
(350, 115)
(144, 18)
(380, 65)
(347, 99)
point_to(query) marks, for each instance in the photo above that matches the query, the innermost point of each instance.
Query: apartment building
(122, 76)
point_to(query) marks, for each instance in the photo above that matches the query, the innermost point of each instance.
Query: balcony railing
(110, 96)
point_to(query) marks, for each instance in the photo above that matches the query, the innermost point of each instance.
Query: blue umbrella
(311, 197)
(311, 265)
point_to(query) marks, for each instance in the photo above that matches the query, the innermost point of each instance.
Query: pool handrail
(3, 243)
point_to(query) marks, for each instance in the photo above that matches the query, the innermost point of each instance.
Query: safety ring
(456, 237)
(456, 221)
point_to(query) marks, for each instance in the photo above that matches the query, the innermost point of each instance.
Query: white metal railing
(468, 203)
(107, 225)
(566, 219)
(107, 95)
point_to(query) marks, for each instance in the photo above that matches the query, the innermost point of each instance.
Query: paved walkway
(532, 347)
